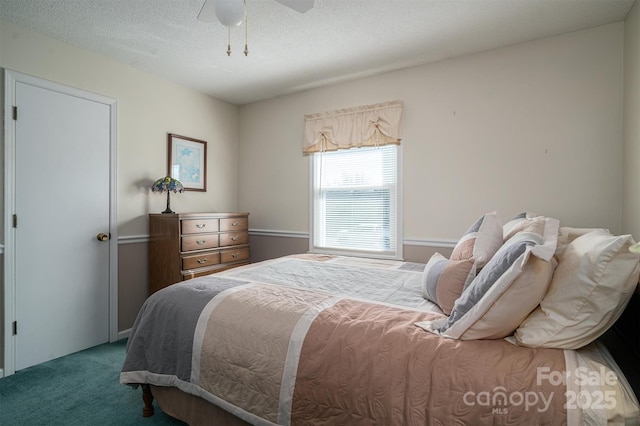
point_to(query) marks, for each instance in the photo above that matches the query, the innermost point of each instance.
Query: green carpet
(79, 389)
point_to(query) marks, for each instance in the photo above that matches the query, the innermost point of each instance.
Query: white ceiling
(335, 41)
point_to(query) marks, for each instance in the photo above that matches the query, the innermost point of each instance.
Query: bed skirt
(192, 409)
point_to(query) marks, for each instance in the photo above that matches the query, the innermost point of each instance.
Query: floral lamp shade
(167, 184)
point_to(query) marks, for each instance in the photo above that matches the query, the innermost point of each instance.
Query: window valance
(368, 125)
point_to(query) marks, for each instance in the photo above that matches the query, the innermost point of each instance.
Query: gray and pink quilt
(329, 340)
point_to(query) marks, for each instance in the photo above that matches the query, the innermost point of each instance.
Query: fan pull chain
(246, 33)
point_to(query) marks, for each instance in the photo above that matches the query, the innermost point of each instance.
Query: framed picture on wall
(188, 161)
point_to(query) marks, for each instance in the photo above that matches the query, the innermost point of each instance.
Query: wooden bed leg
(147, 398)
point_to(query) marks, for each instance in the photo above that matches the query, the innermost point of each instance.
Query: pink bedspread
(279, 354)
(293, 356)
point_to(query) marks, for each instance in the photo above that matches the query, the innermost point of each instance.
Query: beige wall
(535, 126)
(631, 200)
(148, 109)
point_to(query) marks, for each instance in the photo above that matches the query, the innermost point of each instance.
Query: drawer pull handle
(235, 255)
(200, 225)
(234, 238)
(201, 261)
(235, 224)
(201, 242)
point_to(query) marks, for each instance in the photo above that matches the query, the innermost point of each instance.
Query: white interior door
(62, 202)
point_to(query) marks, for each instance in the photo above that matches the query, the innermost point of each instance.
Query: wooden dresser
(185, 246)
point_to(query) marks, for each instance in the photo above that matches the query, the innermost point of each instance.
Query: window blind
(356, 201)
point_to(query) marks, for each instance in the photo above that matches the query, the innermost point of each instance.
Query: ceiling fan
(232, 12)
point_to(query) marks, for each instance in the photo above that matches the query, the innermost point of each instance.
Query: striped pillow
(519, 223)
(481, 240)
(506, 290)
(443, 280)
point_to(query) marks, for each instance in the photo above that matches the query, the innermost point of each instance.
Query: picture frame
(187, 161)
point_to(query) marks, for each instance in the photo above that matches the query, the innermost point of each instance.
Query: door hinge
(15, 113)
(15, 328)
(15, 220)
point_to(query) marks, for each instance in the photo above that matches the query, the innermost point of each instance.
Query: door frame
(9, 301)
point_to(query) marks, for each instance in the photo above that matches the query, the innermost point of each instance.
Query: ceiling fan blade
(208, 12)
(300, 5)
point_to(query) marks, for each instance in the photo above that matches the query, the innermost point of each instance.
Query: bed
(319, 339)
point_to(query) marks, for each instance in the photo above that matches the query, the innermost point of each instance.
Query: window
(355, 199)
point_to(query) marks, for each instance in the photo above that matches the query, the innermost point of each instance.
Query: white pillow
(590, 288)
(568, 234)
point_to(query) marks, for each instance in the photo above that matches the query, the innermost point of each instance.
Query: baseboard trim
(124, 334)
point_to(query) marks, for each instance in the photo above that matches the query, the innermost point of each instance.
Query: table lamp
(167, 184)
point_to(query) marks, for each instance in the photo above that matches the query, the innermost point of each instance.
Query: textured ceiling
(335, 41)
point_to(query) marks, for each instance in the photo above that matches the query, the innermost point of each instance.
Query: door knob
(102, 237)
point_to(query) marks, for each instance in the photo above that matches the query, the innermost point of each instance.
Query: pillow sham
(525, 221)
(481, 240)
(592, 285)
(505, 291)
(567, 234)
(443, 280)
(509, 227)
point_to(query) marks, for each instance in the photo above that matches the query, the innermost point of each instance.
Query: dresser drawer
(234, 238)
(188, 245)
(234, 255)
(194, 273)
(198, 226)
(200, 260)
(188, 275)
(199, 242)
(234, 224)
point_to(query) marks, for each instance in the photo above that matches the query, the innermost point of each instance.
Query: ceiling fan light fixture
(230, 13)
